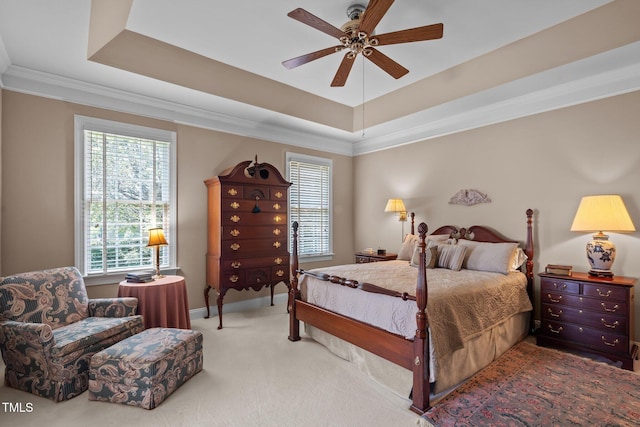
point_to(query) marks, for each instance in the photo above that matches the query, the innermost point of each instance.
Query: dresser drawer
(248, 218)
(601, 321)
(548, 285)
(271, 261)
(231, 206)
(253, 247)
(604, 292)
(242, 232)
(589, 337)
(594, 304)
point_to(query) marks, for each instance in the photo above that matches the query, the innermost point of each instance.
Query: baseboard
(245, 305)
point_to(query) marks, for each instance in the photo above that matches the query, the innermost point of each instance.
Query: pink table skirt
(162, 303)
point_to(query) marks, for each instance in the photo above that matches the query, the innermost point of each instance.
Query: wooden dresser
(247, 241)
(590, 314)
(364, 257)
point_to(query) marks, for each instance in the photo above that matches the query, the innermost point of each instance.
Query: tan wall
(546, 162)
(38, 175)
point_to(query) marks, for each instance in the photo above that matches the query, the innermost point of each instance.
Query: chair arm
(26, 346)
(113, 307)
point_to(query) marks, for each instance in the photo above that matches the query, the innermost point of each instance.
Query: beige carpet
(253, 376)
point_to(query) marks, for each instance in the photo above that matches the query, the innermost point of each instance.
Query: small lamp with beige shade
(397, 207)
(156, 239)
(597, 214)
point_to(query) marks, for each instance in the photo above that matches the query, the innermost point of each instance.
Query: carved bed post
(528, 250)
(294, 293)
(421, 388)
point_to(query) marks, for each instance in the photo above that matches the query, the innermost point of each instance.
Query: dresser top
(585, 277)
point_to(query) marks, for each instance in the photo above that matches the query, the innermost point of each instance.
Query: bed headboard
(477, 233)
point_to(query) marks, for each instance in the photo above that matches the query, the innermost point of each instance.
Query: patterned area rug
(535, 386)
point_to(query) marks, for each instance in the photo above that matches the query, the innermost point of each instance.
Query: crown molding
(608, 74)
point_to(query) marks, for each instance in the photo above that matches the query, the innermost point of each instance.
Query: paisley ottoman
(144, 369)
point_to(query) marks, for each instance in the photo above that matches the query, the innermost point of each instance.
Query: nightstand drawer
(594, 304)
(548, 285)
(589, 337)
(604, 292)
(603, 322)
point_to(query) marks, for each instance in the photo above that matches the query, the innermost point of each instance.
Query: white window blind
(310, 203)
(125, 185)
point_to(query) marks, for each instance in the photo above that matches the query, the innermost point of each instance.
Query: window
(125, 184)
(310, 205)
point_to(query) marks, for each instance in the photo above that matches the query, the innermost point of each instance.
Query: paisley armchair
(49, 329)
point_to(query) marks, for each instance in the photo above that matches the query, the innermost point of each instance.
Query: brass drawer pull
(277, 218)
(561, 288)
(278, 261)
(235, 246)
(279, 195)
(554, 300)
(236, 264)
(233, 278)
(552, 314)
(235, 218)
(277, 244)
(280, 273)
(234, 205)
(611, 310)
(276, 206)
(610, 344)
(234, 232)
(277, 231)
(602, 294)
(612, 326)
(556, 331)
(232, 192)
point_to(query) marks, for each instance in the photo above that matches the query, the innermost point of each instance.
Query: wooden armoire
(247, 233)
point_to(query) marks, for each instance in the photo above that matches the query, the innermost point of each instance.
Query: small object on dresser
(382, 251)
(558, 269)
(139, 277)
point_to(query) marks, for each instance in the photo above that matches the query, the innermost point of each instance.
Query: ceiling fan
(357, 36)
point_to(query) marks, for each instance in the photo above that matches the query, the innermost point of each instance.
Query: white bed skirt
(477, 353)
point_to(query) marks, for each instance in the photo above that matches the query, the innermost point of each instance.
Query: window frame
(318, 161)
(82, 123)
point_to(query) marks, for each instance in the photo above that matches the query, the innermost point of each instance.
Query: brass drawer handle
(278, 261)
(277, 231)
(277, 218)
(602, 294)
(561, 288)
(235, 246)
(552, 314)
(236, 264)
(233, 278)
(235, 218)
(234, 232)
(280, 273)
(232, 192)
(277, 244)
(234, 205)
(554, 300)
(279, 195)
(556, 331)
(610, 344)
(276, 206)
(612, 325)
(611, 310)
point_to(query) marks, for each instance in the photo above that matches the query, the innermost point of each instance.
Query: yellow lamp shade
(602, 213)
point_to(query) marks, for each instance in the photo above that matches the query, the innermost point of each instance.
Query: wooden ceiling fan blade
(311, 20)
(394, 69)
(428, 32)
(303, 59)
(343, 70)
(373, 14)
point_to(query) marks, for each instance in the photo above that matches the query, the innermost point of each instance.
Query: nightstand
(364, 257)
(590, 314)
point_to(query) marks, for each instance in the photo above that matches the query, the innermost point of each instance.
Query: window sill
(316, 258)
(115, 278)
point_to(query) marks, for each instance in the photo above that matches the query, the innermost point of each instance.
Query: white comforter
(460, 305)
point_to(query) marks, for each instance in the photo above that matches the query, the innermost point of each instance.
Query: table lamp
(156, 239)
(397, 207)
(595, 214)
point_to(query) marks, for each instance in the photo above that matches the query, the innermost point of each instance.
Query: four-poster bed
(412, 350)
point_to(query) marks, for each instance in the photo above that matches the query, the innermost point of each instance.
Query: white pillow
(406, 251)
(451, 256)
(518, 258)
(484, 256)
